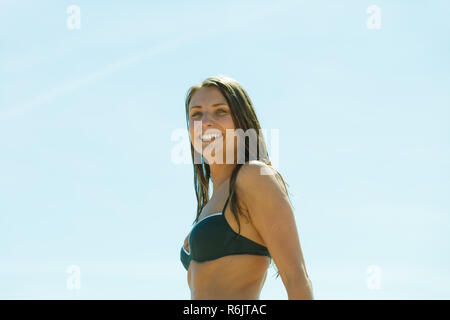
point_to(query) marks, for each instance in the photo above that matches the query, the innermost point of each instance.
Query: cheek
(228, 123)
(191, 137)
(196, 146)
(191, 131)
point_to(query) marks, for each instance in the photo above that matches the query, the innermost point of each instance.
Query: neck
(220, 173)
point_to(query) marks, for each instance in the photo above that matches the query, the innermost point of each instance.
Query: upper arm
(271, 213)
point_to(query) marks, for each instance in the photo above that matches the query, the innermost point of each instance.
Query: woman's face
(210, 112)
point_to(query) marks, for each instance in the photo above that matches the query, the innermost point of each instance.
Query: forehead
(206, 96)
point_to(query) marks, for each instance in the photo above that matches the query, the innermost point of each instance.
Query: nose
(207, 121)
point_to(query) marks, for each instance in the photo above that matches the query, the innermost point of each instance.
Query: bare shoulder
(257, 178)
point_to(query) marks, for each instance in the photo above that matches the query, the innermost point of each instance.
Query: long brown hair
(244, 117)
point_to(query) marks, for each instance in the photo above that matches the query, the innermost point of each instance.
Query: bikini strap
(224, 207)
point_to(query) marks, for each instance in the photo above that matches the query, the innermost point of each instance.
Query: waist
(239, 276)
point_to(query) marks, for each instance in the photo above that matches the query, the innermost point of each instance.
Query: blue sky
(86, 118)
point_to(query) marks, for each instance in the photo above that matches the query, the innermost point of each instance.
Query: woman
(224, 258)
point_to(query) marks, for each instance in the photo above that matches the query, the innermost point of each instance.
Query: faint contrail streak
(107, 70)
(89, 78)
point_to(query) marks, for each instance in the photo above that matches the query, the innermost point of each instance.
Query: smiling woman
(224, 258)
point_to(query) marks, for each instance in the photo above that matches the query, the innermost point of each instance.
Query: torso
(239, 277)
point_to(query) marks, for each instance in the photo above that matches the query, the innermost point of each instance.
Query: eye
(221, 110)
(195, 114)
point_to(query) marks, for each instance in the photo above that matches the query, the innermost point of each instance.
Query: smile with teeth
(210, 137)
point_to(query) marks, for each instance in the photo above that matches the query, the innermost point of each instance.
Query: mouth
(210, 137)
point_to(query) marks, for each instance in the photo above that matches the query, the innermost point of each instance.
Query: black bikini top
(212, 238)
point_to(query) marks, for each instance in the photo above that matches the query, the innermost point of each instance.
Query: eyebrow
(214, 105)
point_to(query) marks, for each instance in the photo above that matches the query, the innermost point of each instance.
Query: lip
(220, 135)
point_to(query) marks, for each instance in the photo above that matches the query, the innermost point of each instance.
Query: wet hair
(244, 117)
